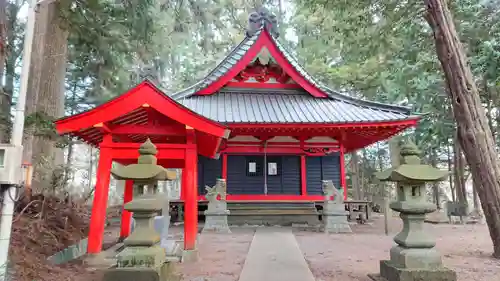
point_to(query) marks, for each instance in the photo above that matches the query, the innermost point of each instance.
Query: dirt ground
(349, 257)
(334, 257)
(221, 256)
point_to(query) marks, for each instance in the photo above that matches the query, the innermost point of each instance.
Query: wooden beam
(272, 150)
(102, 127)
(150, 130)
(98, 217)
(190, 191)
(136, 146)
(128, 194)
(224, 166)
(342, 170)
(303, 175)
(284, 143)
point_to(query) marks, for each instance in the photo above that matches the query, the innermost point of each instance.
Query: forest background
(87, 52)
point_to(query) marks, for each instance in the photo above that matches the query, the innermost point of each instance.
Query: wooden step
(270, 207)
(270, 204)
(276, 212)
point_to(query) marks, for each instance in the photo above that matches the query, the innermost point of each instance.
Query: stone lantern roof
(411, 169)
(146, 168)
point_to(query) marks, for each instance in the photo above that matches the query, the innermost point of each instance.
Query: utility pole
(16, 141)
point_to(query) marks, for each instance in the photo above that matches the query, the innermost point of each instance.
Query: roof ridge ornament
(262, 19)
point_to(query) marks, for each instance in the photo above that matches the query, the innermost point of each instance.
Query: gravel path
(349, 257)
(221, 256)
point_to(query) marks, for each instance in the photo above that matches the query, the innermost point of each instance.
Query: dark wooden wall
(209, 170)
(286, 182)
(322, 168)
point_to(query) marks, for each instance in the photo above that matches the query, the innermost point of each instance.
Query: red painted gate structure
(120, 126)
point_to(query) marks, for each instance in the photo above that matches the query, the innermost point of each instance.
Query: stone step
(271, 207)
(250, 212)
(270, 204)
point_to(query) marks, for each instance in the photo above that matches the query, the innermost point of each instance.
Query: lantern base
(164, 272)
(389, 272)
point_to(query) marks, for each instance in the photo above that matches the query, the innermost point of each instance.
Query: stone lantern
(414, 257)
(143, 258)
(147, 173)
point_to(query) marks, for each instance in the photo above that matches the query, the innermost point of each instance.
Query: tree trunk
(5, 97)
(381, 191)
(458, 172)
(394, 151)
(489, 105)
(475, 200)
(46, 94)
(450, 177)
(435, 186)
(356, 185)
(474, 133)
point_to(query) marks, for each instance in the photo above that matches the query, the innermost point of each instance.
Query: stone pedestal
(216, 217)
(163, 272)
(143, 257)
(392, 272)
(335, 218)
(190, 255)
(171, 246)
(414, 257)
(216, 222)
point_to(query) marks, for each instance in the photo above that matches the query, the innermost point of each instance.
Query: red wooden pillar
(190, 190)
(224, 166)
(342, 171)
(303, 175)
(128, 194)
(99, 206)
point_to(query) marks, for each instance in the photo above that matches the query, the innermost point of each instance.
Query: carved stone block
(390, 272)
(216, 222)
(164, 272)
(335, 218)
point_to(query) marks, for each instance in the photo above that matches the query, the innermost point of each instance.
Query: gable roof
(196, 97)
(145, 94)
(143, 105)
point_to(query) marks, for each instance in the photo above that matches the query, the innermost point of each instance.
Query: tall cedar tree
(474, 134)
(5, 98)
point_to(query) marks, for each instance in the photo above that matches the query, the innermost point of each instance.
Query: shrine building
(258, 120)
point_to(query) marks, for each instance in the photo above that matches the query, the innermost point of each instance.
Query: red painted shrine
(258, 120)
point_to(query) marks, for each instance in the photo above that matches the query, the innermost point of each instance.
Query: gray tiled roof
(336, 108)
(222, 68)
(281, 107)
